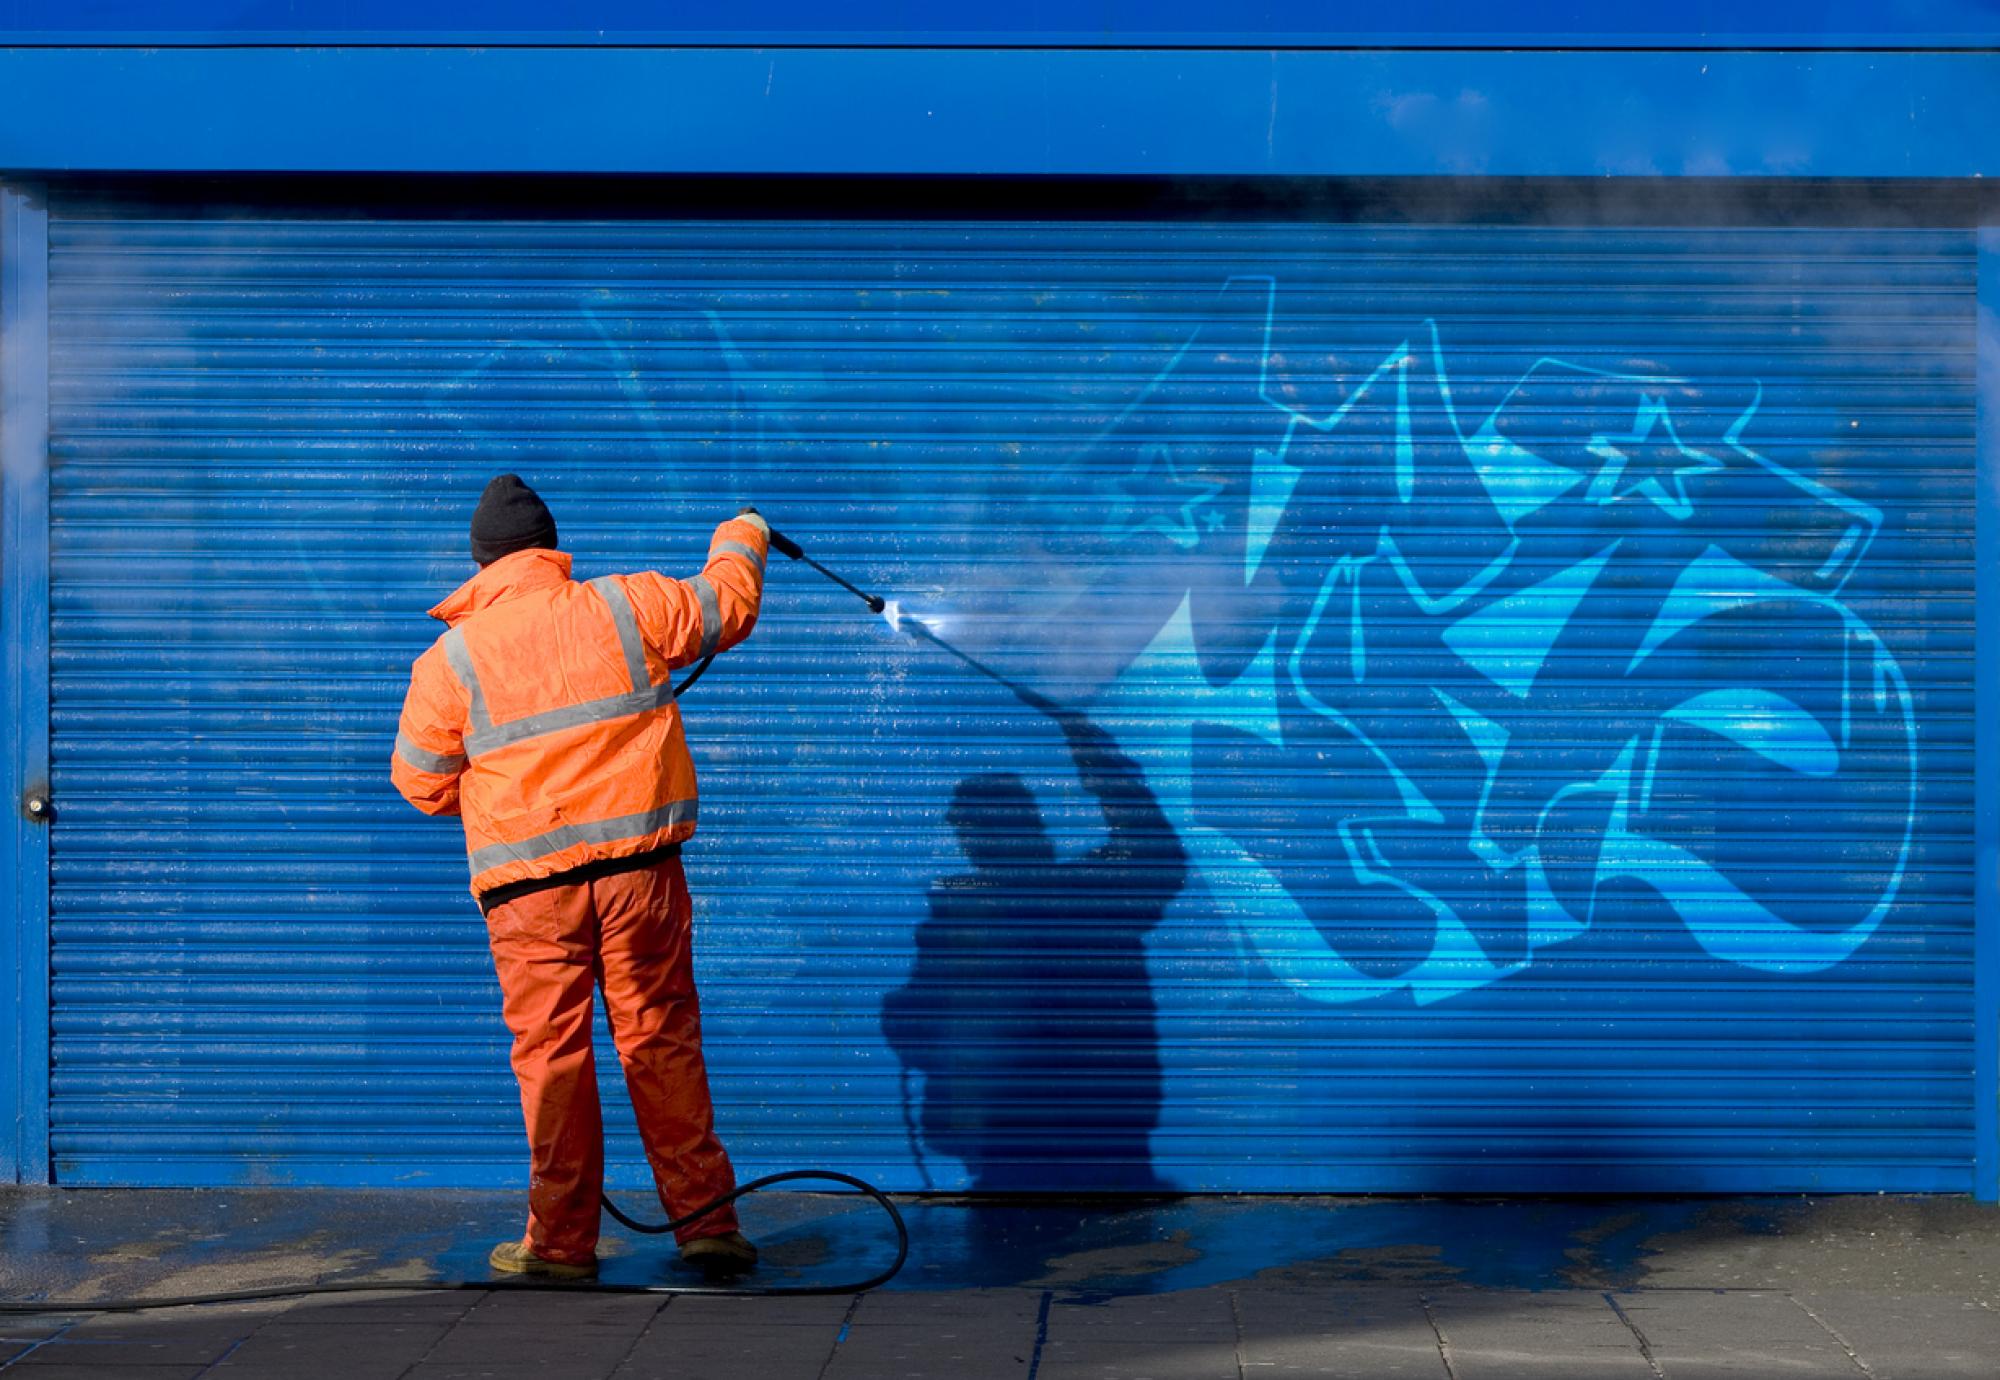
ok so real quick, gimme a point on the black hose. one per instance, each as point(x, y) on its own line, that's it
point(288, 1291)
point(786, 1176)
point(694, 675)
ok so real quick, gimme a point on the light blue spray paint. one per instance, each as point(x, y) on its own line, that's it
point(1507, 641)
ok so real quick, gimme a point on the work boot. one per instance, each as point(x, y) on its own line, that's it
point(514, 1258)
point(721, 1256)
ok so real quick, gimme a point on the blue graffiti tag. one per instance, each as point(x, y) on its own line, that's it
point(1630, 674)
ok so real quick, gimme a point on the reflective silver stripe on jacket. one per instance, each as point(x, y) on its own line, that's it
point(570, 835)
point(459, 659)
point(484, 740)
point(741, 549)
point(435, 762)
point(627, 623)
point(711, 615)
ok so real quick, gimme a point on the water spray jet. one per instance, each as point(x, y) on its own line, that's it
point(891, 611)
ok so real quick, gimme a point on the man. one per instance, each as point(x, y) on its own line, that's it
point(545, 718)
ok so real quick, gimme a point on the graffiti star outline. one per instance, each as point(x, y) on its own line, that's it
point(1652, 413)
point(1140, 491)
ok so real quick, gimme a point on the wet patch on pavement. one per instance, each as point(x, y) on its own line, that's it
point(92, 1245)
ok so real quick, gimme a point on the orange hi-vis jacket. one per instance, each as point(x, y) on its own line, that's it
point(545, 715)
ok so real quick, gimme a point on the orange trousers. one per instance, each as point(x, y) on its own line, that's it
point(631, 935)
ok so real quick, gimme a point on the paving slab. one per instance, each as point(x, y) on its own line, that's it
point(560, 1333)
point(1913, 1337)
point(130, 1342)
point(819, 1310)
point(1371, 1332)
point(541, 1349)
point(35, 1326)
point(890, 1352)
point(1508, 1334)
point(490, 1370)
point(1183, 1359)
point(670, 1351)
point(987, 1307)
point(1194, 1313)
point(1725, 1335)
point(259, 1363)
point(121, 1373)
point(577, 1311)
point(302, 1349)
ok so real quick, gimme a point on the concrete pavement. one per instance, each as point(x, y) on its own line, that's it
point(1329, 1333)
point(1173, 1290)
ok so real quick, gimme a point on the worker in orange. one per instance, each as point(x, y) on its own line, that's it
point(544, 717)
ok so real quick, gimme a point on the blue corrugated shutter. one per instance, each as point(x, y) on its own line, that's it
point(1527, 673)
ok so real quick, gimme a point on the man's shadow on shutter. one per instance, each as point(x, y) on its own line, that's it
point(1029, 1010)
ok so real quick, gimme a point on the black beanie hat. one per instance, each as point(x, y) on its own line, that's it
point(510, 517)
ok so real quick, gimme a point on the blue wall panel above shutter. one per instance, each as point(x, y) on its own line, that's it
point(1524, 679)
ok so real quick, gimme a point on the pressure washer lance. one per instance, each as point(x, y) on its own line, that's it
point(875, 602)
